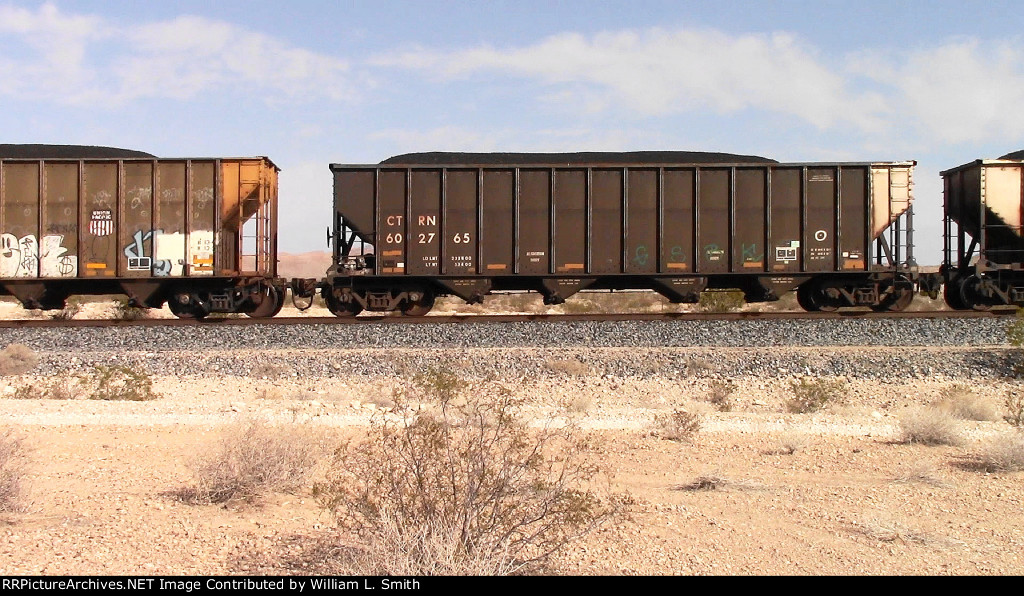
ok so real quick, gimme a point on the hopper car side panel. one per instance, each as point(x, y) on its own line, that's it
point(833, 229)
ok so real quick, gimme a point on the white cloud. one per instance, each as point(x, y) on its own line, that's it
point(456, 138)
point(87, 60)
point(57, 44)
point(960, 91)
point(660, 72)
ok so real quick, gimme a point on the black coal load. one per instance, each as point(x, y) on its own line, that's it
point(32, 151)
point(442, 158)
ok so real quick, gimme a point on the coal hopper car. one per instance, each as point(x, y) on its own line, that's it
point(983, 262)
point(423, 225)
point(199, 234)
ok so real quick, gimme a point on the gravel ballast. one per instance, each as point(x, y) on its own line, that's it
point(634, 334)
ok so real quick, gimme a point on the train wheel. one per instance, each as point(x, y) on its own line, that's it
point(898, 301)
point(193, 308)
point(825, 303)
point(814, 298)
point(972, 297)
point(804, 299)
point(420, 307)
point(340, 308)
point(951, 292)
point(271, 303)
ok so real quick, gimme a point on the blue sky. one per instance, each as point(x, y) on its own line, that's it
point(310, 83)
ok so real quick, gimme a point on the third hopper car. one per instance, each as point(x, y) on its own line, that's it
point(423, 225)
point(983, 264)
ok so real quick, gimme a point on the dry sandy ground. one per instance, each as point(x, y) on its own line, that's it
point(851, 499)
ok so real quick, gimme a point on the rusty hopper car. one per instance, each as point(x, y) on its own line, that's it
point(424, 225)
point(983, 263)
point(198, 234)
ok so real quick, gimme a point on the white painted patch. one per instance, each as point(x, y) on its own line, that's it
point(19, 257)
point(54, 260)
point(169, 252)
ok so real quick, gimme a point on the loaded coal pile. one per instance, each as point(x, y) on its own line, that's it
point(442, 158)
point(10, 151)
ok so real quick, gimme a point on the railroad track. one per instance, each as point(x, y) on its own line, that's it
point(392, 319)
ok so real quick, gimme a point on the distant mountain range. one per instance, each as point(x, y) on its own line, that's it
point(307, 264)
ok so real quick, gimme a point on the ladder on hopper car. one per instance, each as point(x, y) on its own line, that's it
point(256, 250)
point(895, 248)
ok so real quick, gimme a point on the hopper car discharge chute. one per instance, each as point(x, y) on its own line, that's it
point(422, 225)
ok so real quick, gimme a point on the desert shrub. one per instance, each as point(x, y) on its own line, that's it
point(714, 482)
point(12, 471)
point(579, 306)
point(381, 401)
point(111, 383)
point(67, 313)
point(570, 367)
point(1014, 409)
point(124, 310)
point(60, 387)
point(960, 401)
point(119, 383)
point(920, 473)
point(791, 441)
point(930, 426)
point(526, 302)
point(580, 404)
point(1015, 335)
point(696, 366)
point(887, 530)
point(1004, 453)
point(720, 394)
point(813, 394)
point(252, 460)
point(464, 488)
point(16, 359)
point(680, 425)
point(440, 385)
point(269, 370)
point(721, 301)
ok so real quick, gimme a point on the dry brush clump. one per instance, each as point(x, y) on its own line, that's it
point(17, 359)
point(930, 426)
point(920, 473)
point(1003, 453)
point(68, 312)
point(962, 402)
point(716, 482)
point(12, 471)
point(120, 383)
point(254, 459)
point(570, 367)
point(126, 310)
point(680, 425)
point(718, 301)
point(1014, 408)
point(462, 488)
point(791, 441)
point(720, 394)
point(107, 383)
point(813, 394)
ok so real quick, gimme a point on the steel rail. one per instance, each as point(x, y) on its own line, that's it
point(396, 319)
